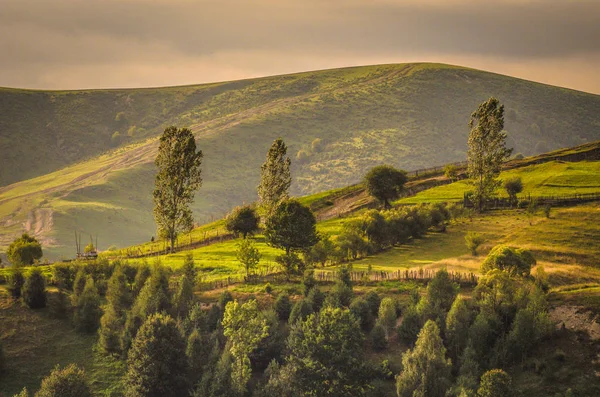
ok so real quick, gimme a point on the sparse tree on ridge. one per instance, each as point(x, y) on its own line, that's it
point(176, 182)
point(385, 183)
point(275, 178)
point(487, 149)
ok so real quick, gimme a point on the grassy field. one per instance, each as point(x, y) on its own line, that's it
point(35, 341)
point(364, 116)
point(548, 179)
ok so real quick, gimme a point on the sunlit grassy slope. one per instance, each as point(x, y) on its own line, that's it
point(554, 178)
point(411, 116)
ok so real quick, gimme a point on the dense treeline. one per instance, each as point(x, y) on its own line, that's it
point(315, 344)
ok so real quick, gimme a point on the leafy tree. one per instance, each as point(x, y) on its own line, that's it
point(34, 290)
point(16, 280)
point(275, 178)
point(183, 298)
point(385, 183)
point(441, 292)
point(376, 229)
point(224, 299)
point(361, 310)
point(457, 327)
point(468, 374)
point(242, 220)
point(67, 382)
point(451, 172)
point(495, 383)
point(292, 226)
point(248, 255)
point(387, 315)
point(308, 281)
point(176, 182)
point(111, 329)
point(316, 299)
point(473, 240)
point(244, 327)
point(426, 371)
point(271, 347)
point(24, 251)
point(374, 301)
point(78, 284)
point(300, 311)
point(410, 326)
point(487, 149)
point(198, 353)
point(118, 293)
point(513, 186)
point(326, 355)
point(378, 338)
point(514, 261)
point(290, 264)
point(156, 363)
point(483, 335)
point(142, 274)
point(283, 307)
point(321, 252)
point(87, 310)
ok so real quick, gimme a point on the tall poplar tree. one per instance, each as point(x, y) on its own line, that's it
point(275, 178)
point(487, 149)
point(176, 182)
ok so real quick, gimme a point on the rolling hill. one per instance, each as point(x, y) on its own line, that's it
point(65, 167)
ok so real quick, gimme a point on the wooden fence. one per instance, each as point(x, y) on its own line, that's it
point(398, 275)
point(553, 201)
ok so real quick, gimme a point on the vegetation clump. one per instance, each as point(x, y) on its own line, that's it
point(34, 290)
point(385, 183)
point(24, 251)
point(242, 221)
point(515, 261)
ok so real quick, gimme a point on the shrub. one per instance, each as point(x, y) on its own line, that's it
point(301, 310)
point(157, 364)
point(514, 261)
point(225, 298)
point(378, 339)
point(283, 307)
point(316, 299)
point(373, 300)
point(495, 383)
point(63, 275)
point(87, 311)
point(59, 307)
point(15, 283)
point(308, 281)
point(473, 241)
point(387, 315)
point(513, 187)
point(451, 172)
point(67, 382)
point(34, 290)
point(410, 326)
point(361, 310)
point(111, 328)
point(290, 263)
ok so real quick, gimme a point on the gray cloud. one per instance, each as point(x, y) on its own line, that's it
point(38, 39)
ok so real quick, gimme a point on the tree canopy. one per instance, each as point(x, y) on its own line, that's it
point(291, 227)
point(242, 220)
point(487, 149)
point(275, 178)
point(515, 261)
point(176, 182)
point(24, 251)
point(385, 183)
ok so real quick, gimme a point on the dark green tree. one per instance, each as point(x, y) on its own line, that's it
point(283, 307)
point(24, 251)
point(87, 308)
point(487, 149)
point(457, 328)
point(292, 226)
point(67, 382)
point(300, 311)
point(275, 178)
point(514, 261)
point(176, 182)
point(495, 383)
point(426, 371)
point(361, 310)
point(157, 363)
point(378, 338)
point(34, 290)
point(326, 355)
point(385, 183)
point(183, 299)
point(242, 221)
point(513, 186)
point(16, 280)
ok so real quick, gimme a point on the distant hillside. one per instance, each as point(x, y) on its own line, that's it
point(411, 116)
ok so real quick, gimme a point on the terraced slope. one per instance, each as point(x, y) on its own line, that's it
point(411, 116)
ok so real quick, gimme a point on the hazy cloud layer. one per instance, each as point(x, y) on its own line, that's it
point(109, 43)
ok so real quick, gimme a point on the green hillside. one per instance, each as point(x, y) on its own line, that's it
point(410, 116)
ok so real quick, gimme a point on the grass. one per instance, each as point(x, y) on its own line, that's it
point(554, 178)
point(364, 116)
point(35, 343)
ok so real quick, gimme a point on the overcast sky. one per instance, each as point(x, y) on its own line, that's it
point(69, 44)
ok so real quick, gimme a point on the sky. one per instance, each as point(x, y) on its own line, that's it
point(77, 44)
